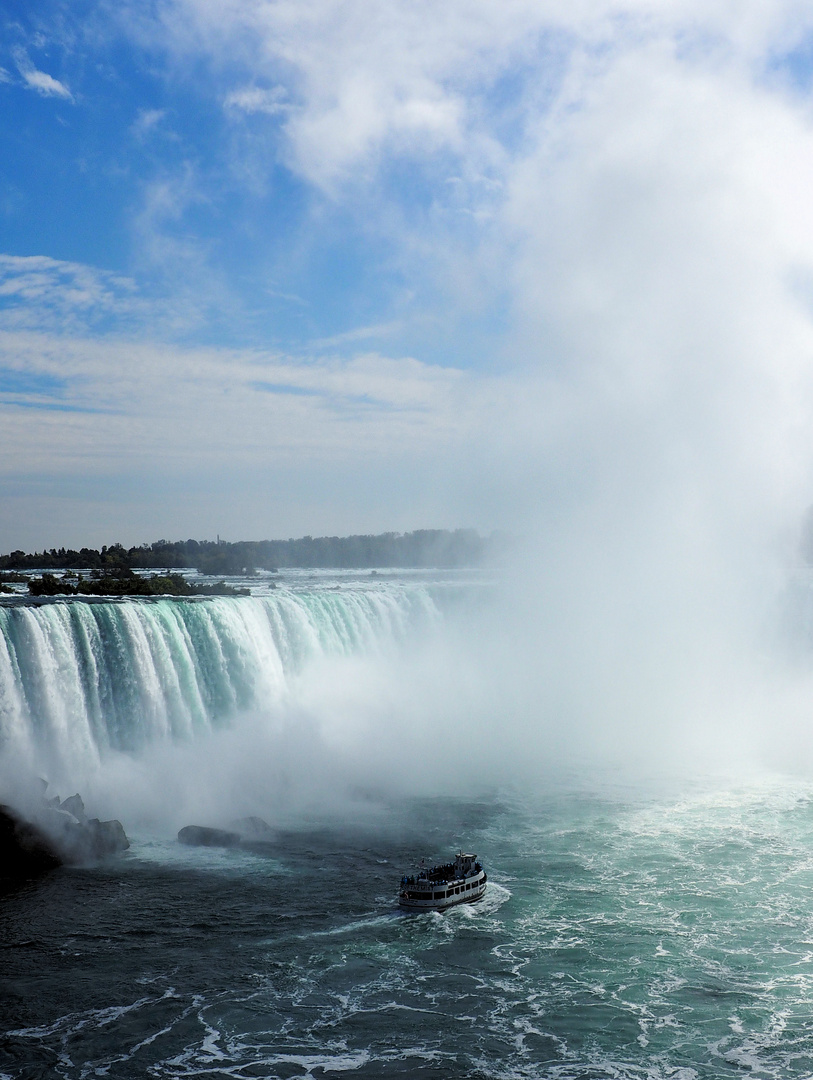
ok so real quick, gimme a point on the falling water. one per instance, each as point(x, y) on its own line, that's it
point(83, 677)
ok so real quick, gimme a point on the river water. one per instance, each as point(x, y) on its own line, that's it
point(618, 937)
point(661, 928)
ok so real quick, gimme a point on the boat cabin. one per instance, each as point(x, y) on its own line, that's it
point(438, 887)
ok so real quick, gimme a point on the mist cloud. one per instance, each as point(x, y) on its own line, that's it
point(616, 197)
point(614, 194)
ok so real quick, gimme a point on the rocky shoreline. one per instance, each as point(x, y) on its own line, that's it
point(54, 833)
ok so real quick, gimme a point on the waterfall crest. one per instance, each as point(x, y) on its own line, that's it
point(82, 677)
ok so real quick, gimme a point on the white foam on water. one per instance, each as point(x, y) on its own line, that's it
point(74, 1022)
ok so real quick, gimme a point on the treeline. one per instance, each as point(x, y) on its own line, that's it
point(127, 584)
point(423, 548)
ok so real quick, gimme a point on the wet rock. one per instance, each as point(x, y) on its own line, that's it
point(254, 829)
point(201, 836)
point(68, 836)
point(81, 842)
point(256, 835)
point(75, 806)
point(25, 851)
point(107, 837)
point(87, 843)
point(56, 833)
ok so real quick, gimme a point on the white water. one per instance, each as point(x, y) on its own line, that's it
point(79, 679)
point(337, 690)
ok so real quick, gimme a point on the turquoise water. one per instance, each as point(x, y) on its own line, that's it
point(620, 936)
point(81, 677)
point(632, 928)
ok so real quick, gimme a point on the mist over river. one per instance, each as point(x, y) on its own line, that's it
point(652, 922)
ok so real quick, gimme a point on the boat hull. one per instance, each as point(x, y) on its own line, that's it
point(441, 897)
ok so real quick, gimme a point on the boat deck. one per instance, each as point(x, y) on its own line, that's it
point(441, 887)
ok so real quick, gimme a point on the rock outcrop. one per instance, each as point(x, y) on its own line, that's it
point(79, 838)
point(75, 806)
point(25, 850)
point(253, 829)
point(52, 834)
point(251, 833)
point(94, 837)
point(108, 837)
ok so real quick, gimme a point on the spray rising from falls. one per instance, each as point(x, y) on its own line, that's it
point(216, 708)
point(78, 679)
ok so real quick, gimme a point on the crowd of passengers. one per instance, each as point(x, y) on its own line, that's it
point(438, 874)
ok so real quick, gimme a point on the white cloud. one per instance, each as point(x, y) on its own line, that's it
point(359, 333)
point(40, 81)
point(37, 292)
point(634, 189)
point(200, 430)
point(644, 212)
point(126, 416)
point(417, 77)
point(254, 99)
point(146, 122)
point(46, 84)
point(46, 282)
point(631, 182)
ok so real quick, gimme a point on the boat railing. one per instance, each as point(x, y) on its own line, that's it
point(426, 878)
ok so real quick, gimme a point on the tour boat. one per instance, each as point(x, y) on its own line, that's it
point(439, 887)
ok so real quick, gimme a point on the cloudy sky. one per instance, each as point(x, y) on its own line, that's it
point(275, 267)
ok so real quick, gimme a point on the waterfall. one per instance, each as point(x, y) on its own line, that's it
point(79, 677)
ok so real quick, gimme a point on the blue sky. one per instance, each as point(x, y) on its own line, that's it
point(270, 268)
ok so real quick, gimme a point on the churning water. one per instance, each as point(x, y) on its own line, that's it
point(623, 934)
point(82, 677)
point(617, 939)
